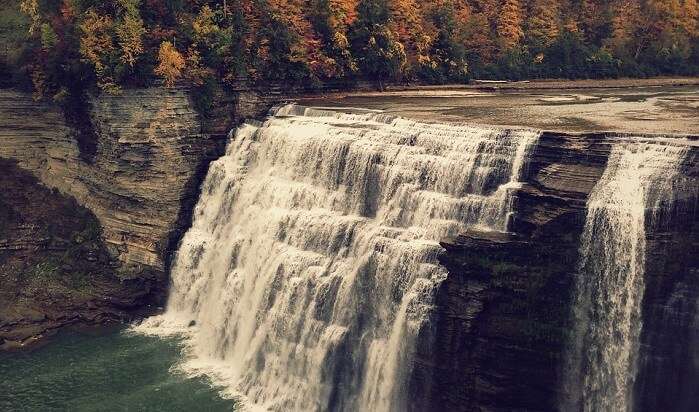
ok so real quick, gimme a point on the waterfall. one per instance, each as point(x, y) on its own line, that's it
point(311, 264)
point(636, 186)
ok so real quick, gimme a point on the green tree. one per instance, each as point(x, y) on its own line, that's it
point(130, 31)
point(381, 57)
point(446, 61)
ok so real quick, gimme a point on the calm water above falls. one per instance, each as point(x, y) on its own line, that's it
point(114, 371)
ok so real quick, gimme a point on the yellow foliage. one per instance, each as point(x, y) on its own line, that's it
point(544, 22)
point(344, 13)
point(130, 36)
point(690, 17)
point(204, 24)
point(97, 45)
point(195, 71)
point(627, 17)
point(31, 9)
point(170, 63)
point(408, 24)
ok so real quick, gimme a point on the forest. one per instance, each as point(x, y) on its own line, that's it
point(55, 47)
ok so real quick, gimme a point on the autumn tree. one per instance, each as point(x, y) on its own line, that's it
point(594, 21)
point(210, 36)
point(31, 9)
point(69, 46)
point(669, 44)
point(408, 26)
point(445, 60)
point(478, 39)
point(98, 48)
point(543, 24)
point(280, 53)
point(331, 20)
point(306, 55)
point(627, 18)
point(130, 31)
point(690, 17)
point(170, 63)
point(510, 30)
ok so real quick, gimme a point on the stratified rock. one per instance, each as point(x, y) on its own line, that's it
point(139, 177)
point(503, 317)
point(140, 183)
point(47, 281)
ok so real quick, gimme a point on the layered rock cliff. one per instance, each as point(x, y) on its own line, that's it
point(669, 355)
point(133, 164)
point(55, 268)
point(503, 316)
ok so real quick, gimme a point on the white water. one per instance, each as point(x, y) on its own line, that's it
point(636, 186)
point(311, 265)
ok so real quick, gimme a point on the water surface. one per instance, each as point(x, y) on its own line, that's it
point(112, 371)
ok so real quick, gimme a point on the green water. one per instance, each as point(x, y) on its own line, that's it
point(113, 371)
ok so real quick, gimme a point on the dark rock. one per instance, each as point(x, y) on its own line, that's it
point(503, 316)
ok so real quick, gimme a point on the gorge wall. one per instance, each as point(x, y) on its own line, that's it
point(136, 175)
point(504, 322)
point(351, 203)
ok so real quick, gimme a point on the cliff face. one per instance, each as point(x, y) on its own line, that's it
point(501, 320)
point(503, 316)
point(136, 175)
point(149, 149)
point(55, 268)
point(669, 358)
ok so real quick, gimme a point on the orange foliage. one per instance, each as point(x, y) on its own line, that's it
point(510, 23)
point(170, 63)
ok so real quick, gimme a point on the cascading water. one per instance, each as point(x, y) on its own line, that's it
point(636, 185)
point(311, 264)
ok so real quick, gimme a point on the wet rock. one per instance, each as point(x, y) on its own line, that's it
point(502, 318)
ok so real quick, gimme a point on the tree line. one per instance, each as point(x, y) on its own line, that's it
point(55, 46)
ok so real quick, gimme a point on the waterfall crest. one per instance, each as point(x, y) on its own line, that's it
point(636, 186)
point(311, 264)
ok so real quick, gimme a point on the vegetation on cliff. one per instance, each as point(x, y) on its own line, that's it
point(51, 46)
